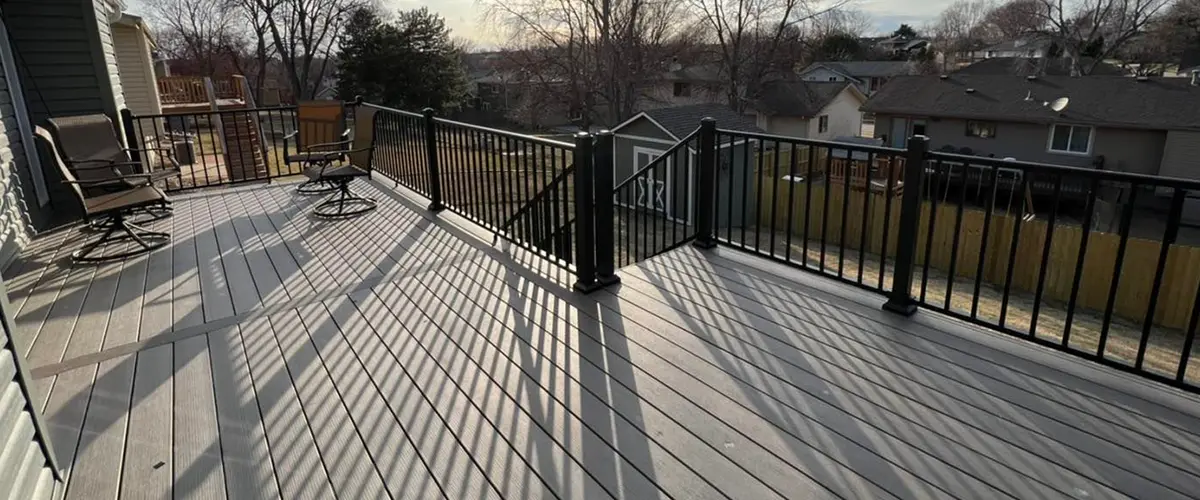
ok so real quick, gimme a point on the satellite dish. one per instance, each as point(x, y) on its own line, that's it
point(1060, 104)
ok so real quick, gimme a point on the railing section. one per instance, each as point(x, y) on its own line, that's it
point(818, 205)
point(655, 203)
point(216, 148)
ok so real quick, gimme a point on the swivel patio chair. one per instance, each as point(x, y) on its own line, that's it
point(320, 129)
point(339, 168)
point(114, 208)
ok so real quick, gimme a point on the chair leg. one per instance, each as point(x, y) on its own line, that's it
point(344, 203)
point(145, 239)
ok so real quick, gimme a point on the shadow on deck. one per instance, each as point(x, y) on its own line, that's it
point(269, 354)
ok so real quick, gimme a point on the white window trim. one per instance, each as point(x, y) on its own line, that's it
point(1050, 140)
point(821, 118)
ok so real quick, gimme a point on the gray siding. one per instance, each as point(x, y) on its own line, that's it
point(1125, 150)
point(25, 468)
point(16, 183)
point(1181, 155)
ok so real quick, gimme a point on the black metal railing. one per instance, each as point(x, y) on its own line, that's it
point(216, 147)
point(520, 187)
point(818, 205)
point(655, 203)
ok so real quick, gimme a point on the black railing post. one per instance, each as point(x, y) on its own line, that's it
point(604, 211)
point(900, 298)
point(706, 186)
point(435, 178)
point(131, 140)
point(585, 217)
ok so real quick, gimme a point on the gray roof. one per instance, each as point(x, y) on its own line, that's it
point(680, 121)
point(1190, 60)
point(796, 98)
point(1022, 66)
point(1114, 101)
point(1027, 43)
point(867, 69)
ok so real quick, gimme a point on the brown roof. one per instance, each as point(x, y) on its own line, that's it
point(1115, 101)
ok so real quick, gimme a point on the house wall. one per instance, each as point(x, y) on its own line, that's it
point(138, 84)
point(662, 94)
point(1138, 151)
point(790, 126)
point(845, 120)
point(1181, 155)
point(24, 457)
point(16, 182)
point(822, 75)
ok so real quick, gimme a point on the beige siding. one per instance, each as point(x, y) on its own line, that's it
point(845, 120)
point(1181, 155)
point(136, 70)
point(16, 184)
point(111, 73)
point(787, 125)
point(25, 470)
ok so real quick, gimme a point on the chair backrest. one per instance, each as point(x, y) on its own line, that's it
point(320, 122)
point(89, 137)
point(43, 137)
point(364, 137)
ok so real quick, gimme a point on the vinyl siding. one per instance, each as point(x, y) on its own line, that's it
point(16, 182)
point(844, 118)
point(136, 71)
point(1181, 155)
point(25, 469)
point(110, 74)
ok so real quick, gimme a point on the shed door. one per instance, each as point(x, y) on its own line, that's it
point(651, 190)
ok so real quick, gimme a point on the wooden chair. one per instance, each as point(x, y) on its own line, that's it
point(114, 208)
point(320, 129)
point(93, 152)
point(339, 168)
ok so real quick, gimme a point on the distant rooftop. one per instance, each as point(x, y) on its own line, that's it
point(680, 121)
point(866, 69)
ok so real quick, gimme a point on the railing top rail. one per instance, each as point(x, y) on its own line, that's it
point(393, 110)
point(812, 142)
point(683, 143)
point(506, 133)
point(1063, 170)
point(218, 112)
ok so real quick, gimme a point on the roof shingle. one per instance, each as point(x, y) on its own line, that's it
point(1115, 101)
point(682, 120)
point(797, 98)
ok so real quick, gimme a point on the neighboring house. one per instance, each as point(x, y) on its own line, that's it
point(699, 84)
point(134, 45)
point(898, 45)
point(1028, 47)
point(1120, 123)
point(647, 135)
point(814, 110)
point(58, 59)
point(868, 76)
point(1024, 66)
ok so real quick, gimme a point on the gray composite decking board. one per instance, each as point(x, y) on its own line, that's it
point(504, 467)
point(24, 275)
point(388, 247)
point(187, 300)
point(311, 266)
point(292, 215)
point(443, 452)
point(946, 439)
point(236, 271)
point(245, 454)
point(748, 451)
point(147, 471)
point(338, 249)
point(197, 464)
point(1030, 368)
point(50, 341)
point(268, 248)
point(397, 460)
point(930, 353)
point(997, 417)
point(299, 467)
point(537, 452)
point(215, 294)
point(582, 417)
point(350, 468)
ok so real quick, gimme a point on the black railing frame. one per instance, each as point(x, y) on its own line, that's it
point(706, 186)
point(900, 299)
point(435, 178)
point(585, 219)
point(604, 212)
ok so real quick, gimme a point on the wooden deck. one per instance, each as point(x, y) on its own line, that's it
point(400, 355)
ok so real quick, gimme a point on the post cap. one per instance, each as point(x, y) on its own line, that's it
point(708, 122)
point(427, 111)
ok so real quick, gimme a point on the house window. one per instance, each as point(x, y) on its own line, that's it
point(822, 124)
point(983, 130)
point(683, 89)
point(833, 79)
point(1072, 139)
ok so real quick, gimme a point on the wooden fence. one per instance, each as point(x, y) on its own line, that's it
point(1180, 278)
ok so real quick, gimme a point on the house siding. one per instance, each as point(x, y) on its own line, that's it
point(790, 126)
point(138, 84)
point(822, 75)
point(1181, 155)
point(16, 182)
point(844, 118)
point(1124, 150)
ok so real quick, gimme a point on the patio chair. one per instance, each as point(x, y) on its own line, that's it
point(320, 129)
point(114, 207)
point(339, 168)
point(93, 152)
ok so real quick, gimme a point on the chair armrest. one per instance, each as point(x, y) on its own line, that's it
point(310, 147)
point(291, 134)
point(333, 155)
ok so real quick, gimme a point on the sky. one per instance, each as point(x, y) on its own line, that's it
point(463, 16)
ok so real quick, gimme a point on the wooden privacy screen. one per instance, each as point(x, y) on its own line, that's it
point(320, 122)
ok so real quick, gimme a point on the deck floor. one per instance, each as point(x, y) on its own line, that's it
point(402, 355)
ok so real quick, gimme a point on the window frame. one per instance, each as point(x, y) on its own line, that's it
point(1091, 141)
point(681, 89)
point(968, 133)
point(822, 124)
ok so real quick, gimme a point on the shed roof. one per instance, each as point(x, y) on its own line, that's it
point(679, 121)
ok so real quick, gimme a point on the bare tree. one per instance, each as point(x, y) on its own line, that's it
point(304, 34)
point(1017, 18)
point(962, 27)
point(848, 21)
point(202, 33)
point(1090, 31)
point(756, 39)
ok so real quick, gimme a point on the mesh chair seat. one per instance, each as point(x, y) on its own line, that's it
point(123, 200)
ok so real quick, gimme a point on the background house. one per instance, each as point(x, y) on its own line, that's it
point(697, 84)
point(868, 76)
point(814, 110)
point(133, 45)
point(651, 133)
point(1126, 124)
point(1027, 47)
point(1025, 66)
